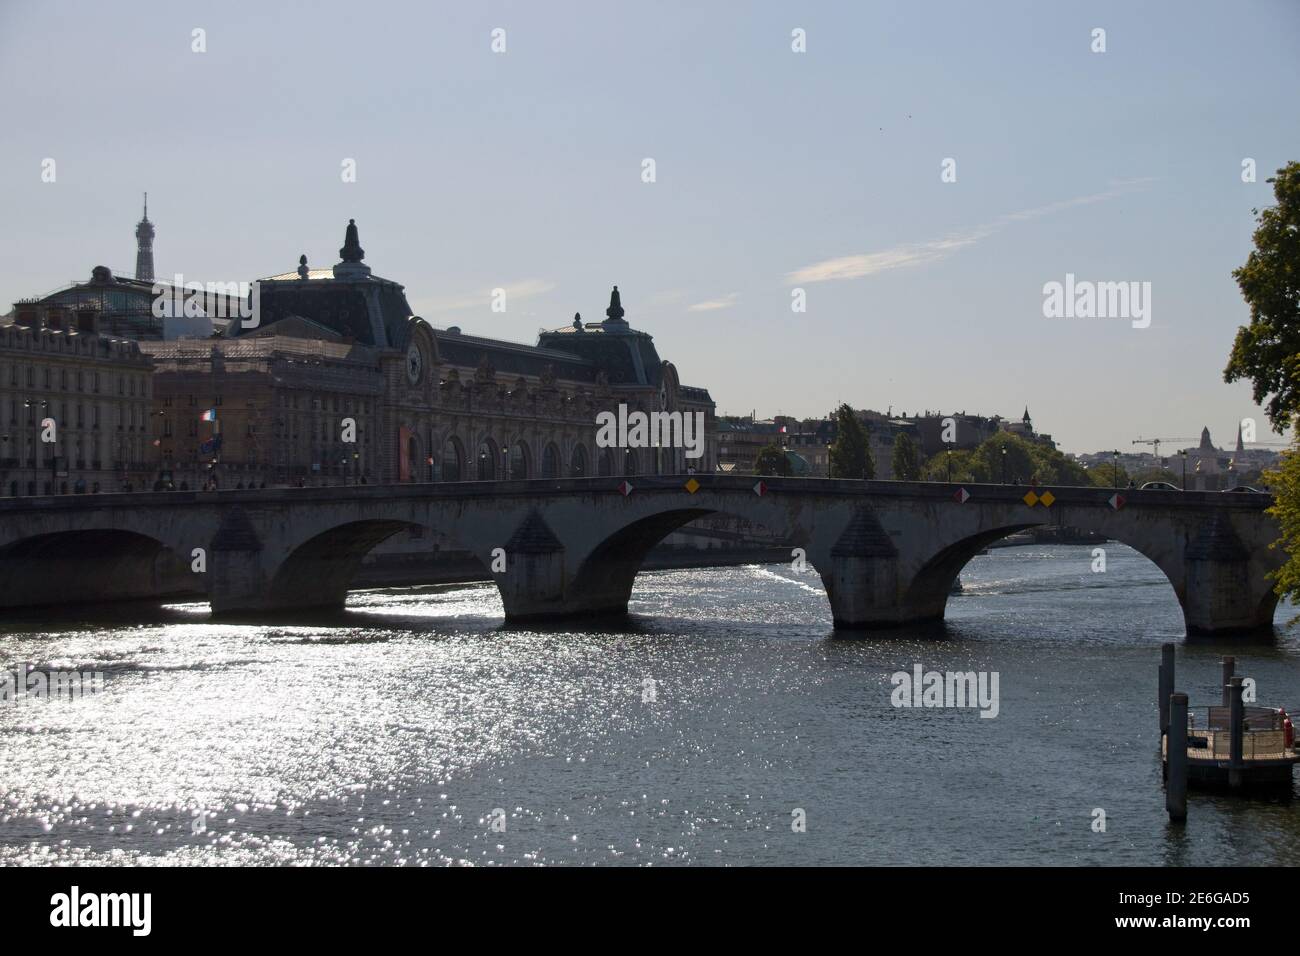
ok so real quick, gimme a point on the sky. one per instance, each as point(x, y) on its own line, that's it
point(774, 171)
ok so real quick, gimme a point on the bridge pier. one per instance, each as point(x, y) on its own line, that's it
point(862, 583)
point(236, 580)
point(532, 585)
point(1221, 595)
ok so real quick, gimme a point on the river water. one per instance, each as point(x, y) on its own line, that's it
point(415, 729)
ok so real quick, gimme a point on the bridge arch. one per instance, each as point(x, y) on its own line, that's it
point(319, 571)
point(928, 589)
point(94, 565)
point(605, 576)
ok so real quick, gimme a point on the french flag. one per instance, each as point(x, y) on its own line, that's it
point(209, 416)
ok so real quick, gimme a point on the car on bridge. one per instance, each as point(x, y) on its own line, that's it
point(1158, 486)
point(1244, 489)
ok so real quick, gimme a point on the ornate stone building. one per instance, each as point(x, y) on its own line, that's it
point(97, 391)
point(451, 406)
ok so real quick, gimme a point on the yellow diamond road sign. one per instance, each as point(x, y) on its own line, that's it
point(692, 486)
point(1047, 498)
point(1031, 499)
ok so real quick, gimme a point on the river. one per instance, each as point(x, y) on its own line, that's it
point(725, 724)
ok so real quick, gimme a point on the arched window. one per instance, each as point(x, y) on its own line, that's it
point(606, 463)
point(487, 460)
point(451, 459)
point(578, 463)
point(518, 461)
point(629, 461)
point(413, 457)
point(551, 461)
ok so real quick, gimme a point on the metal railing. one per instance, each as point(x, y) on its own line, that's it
point(1209, 734)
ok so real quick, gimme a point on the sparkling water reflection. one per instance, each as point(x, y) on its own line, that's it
point(391, 733)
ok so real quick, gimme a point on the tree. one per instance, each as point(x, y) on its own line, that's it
point(1268, 353)
point(850, 455)
point(1285, 482)
point(1019, 458)
point(1108, 475)
point(1025, 460)
point(1053, 468)
point(1268, 350)
point(906, 465)
point(960, 467)
point(771, 460)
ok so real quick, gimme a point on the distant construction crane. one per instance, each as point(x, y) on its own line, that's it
point(1155, 443)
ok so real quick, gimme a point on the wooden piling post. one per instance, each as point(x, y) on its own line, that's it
point(1229, 665)
point(1176, 759)
point(1236, 730)
point(1166, 685)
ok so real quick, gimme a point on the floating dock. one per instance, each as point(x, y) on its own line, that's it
point(1232, 745)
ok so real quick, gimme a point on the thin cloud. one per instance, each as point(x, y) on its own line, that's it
point(523, 289)
point(919, 253)
point(726, 302)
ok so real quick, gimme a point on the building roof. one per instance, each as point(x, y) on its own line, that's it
point(693, 393)
point(346, 299)
point(511, 358)
point(627, 356)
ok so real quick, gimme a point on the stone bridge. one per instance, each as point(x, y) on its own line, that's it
point(887, 552)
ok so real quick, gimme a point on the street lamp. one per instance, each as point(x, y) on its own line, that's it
point(949, 457)
point(1004, 464)
point(1183, 455)
point(1114, 468)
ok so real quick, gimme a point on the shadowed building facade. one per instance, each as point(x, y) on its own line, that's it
point(96, 390)
point(449, 406)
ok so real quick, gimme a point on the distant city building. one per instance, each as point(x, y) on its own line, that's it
point(741, 438)
point(1207, 467)
point(1025, 429)
point(968, 431)
point(807, 442)
point(97, 392)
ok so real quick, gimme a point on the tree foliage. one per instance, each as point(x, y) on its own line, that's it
point(1108, 475)
point(905, 461)
point(1267, 351)
point(1285, 482)
point(850, 455)
point(1026, 461)
point(771, 461)
point(937, 468)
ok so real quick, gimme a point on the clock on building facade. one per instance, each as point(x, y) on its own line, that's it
point(414, 363)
